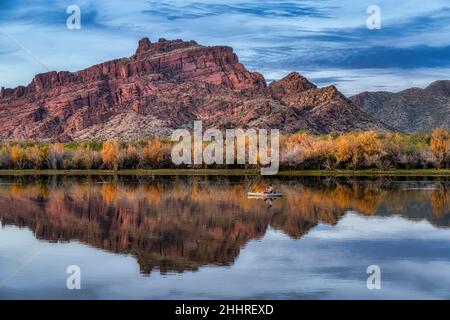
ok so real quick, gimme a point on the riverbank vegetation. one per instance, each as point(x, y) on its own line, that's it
point(302, 151)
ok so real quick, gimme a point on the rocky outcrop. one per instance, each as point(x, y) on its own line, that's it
point(411, 110)
point(320, 110)
point(167, 85)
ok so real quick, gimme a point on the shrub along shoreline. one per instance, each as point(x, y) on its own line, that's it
point(367, 150)
point(372, 173)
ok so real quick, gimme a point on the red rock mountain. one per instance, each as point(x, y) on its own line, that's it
point(167, 85)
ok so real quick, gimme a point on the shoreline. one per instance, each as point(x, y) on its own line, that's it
point(230, 172)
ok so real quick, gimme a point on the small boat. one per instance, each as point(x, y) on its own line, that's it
point(264, 195)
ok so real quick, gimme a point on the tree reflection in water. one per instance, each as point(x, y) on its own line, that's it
point(176, 224)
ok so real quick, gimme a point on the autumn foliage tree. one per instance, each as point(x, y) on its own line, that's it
point(18, 156)
point(345, 148)
point(305, 151)
point(38, 156)
point(300, 151)
point(362, 149)
point(110, 154)
point(440, 145)
point(154, 154)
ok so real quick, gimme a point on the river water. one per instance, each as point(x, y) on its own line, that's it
point(201, 237)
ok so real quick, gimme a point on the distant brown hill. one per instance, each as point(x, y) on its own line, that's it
point(411, 110)
point(167, 85)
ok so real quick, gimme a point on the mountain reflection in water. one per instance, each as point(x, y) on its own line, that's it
point(177, 224)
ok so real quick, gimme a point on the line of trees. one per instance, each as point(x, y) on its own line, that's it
point(302, 151)
point(367, 150)
point(111, 155)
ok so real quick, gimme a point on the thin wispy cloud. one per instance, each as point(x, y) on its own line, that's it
point(278, 9)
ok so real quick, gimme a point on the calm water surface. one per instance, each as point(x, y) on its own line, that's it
point(202, 238)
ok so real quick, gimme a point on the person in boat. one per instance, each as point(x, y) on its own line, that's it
point(269, 189)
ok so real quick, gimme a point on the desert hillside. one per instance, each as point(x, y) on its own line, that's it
point(411, 110)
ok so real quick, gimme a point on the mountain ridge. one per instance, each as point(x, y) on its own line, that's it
point(411, 110)
point(166, 85)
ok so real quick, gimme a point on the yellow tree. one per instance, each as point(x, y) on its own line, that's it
point(345, 148)
point(38, 156)
point(154, 153)
point(369, 147)
point(18, 156)
point(110, 154)
point(440, 144)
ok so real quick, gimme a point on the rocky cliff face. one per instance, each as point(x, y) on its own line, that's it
point(411, 110)
point(167, 85)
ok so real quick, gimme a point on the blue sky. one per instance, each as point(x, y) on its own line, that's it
point(325, 40)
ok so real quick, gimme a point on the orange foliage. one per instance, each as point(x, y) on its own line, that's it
point(110, 154)
point(154, 153)
point(440, 144)
point(18, 156)
point(359, 149)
